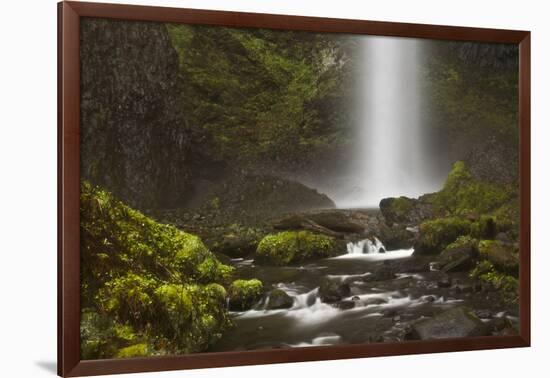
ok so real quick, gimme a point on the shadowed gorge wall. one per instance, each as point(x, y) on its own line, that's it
point(134, 136)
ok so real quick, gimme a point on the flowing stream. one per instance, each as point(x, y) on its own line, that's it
point(381, 308)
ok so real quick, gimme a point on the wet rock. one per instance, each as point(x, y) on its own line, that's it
point(415, 264)
point(484, 314)
point(331, 291)
point(444, 281)
point(344, 305)
point(383, 272)
point(406, 210)
point(462, 288)
point(456, 322)
point(508, 331)
point(240, 242)
point(395, 236)
point(375, 301)
point(498, 324)
point(429, 298)
point(278, 299)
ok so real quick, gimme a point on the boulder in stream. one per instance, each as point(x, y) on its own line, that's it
point(243, 294)
point(332, 291)
point(456, 322)
point(279, 299)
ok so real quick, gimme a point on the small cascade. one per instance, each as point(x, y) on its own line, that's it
point(366, 246)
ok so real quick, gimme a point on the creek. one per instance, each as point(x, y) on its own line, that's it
point(382, 307)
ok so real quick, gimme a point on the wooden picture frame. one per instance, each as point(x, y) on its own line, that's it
point(69, 15)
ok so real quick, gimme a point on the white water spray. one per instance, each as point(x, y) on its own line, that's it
point(365, 246)
point(392, 158)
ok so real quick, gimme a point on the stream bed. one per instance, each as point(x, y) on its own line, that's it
point(388, 292)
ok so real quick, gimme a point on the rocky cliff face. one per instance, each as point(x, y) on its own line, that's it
point(134, 138)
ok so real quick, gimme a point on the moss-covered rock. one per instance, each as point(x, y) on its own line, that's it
point(161, 282)
point(296, 246)
point(461, 255)
point(507, 284)
point(243, 294)
point(437, 234)
point(102, 336)
point(396, 236)
point(236, 240)
point(504, 256)
point(408, 211)
point(136, 350)
point(462, 194)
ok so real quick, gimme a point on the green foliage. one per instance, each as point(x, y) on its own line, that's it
point(264, 95)
point(508, 285)
point(463, 195)
point(437, 234)
point(128, 298)
point(461, 241)
point(295, 246)
point(102, 336)
point(145, 283)
point(243, 294)
point(137, 350)
point(505, 257)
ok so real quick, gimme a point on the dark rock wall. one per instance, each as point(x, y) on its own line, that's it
point(134, 138)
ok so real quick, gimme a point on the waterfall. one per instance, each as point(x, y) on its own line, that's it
point(366, 246)
point(392, 155)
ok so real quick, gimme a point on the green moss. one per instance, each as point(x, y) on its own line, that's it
point(175, 301)
point(294, 246)
point(396, 209)
point(128, 298)
point(505, 257)
point(152, 283)
point(462, 241)
point(437, 234)
point(508, 285)
point(137, 350)
point(463, 195)
point(243, 294)
point(102, 336)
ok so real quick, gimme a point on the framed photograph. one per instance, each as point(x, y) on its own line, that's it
point(239, 188)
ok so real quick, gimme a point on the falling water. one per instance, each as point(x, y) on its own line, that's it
point(392, 157)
